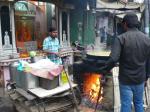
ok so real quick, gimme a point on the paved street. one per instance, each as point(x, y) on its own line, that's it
point(83, 109)
point(148, 109)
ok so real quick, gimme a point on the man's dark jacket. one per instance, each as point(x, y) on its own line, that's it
point(132, 50)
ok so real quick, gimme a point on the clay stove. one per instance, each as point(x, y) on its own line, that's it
point(99, 91)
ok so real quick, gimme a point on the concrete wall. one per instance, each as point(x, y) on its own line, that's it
point(87, 18)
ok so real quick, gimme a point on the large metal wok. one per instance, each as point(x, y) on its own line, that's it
point(93, 61)
point(99, 55)
point(96, 58)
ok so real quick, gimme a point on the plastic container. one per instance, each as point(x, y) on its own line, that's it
point(49, 84)
point(14, 77)
point(27, 80)
point(23, 80)
point(64, 79)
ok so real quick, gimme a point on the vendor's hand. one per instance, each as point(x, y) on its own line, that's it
point(55, 53)
point(58, 54)
point(102, 70)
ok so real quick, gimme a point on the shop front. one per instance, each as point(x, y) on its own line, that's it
point(23, 27)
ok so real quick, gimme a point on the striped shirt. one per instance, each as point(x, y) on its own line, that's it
point(52, 45)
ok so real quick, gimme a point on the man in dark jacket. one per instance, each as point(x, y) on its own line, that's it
point(131, 49)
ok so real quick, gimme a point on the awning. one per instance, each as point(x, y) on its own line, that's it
point(120, 6)
point(48, 1)
point(122, 15)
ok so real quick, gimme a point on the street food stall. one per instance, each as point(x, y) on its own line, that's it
point(22, 30)
point(26, 88)
point(41, 86)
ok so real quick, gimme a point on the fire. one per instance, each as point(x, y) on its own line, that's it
point(91, 87)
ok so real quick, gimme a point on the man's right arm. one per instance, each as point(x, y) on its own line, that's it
point(115, 52)
point(114, 56)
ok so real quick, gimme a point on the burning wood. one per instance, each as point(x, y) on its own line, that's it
point(91, 86)
point(97, 92)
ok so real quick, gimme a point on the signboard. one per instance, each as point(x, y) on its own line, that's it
point(30, 45)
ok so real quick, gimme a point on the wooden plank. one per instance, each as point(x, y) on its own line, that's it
point(25, 94)
point(147, 95)
point(43, 93)
point(14, 96)
point(115, 72)
point(57, 107)
point(148, 90)
point(144, 100)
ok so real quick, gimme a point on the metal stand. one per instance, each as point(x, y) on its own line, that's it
point(2, 80)
point(73, 93)
point(99, 93)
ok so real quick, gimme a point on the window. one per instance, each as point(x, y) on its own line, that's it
point(21, 6)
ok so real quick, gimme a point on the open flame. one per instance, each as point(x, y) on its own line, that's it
point(92, 86)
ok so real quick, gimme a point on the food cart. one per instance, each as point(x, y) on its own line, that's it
point(42, 95)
